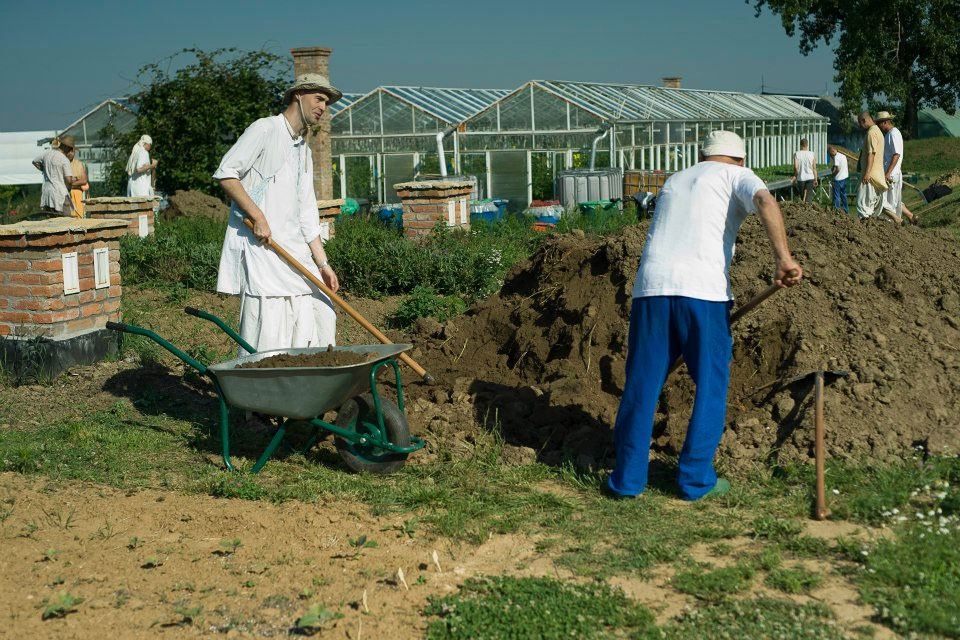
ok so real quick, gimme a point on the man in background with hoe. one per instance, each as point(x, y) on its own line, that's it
point(268, 174)
point(681, 307)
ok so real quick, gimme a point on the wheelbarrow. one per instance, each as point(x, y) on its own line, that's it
point(370, 432)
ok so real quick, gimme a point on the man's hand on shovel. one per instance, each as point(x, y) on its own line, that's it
point(789, 273)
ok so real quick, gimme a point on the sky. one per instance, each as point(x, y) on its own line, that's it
point(59, 59)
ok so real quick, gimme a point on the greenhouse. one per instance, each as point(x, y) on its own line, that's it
point(516, 141)
point(95, 139)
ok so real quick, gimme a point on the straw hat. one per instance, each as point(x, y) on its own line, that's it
point(724, 143)
point(67, 142)
point(883, 115)
point(313, 82)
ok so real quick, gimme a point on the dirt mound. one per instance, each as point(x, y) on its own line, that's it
point(544, 359)
point(328, 358)
point(195, 204)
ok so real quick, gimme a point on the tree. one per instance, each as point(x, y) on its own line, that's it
point(197, 112)
point(893, 52)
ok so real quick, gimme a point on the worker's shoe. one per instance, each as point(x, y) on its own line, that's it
point(722, 488)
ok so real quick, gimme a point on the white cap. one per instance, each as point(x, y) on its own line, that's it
point(723, 143)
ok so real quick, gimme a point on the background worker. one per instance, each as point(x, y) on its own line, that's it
point(58, 177)
point(872, 180)
point(140, 169)
point(838, 167)
point(681, 306)
point(268, 175)
point(892, 163)
point(78, 191)
point(805, 171)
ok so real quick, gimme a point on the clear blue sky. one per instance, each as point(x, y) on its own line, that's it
point(59, 58)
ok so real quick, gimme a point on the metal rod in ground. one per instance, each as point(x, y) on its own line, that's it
point(353, 313)
point(821, 512)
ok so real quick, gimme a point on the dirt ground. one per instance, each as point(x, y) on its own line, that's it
point(545, 357)
point(162, 564)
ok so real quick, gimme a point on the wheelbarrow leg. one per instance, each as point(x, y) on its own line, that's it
point(225, 432)
point(274, 443)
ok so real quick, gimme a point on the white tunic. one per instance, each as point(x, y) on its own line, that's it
point(138, 185)
point(276, 171)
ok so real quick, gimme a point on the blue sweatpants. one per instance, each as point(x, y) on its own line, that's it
point(661, 329)
point(840, 195)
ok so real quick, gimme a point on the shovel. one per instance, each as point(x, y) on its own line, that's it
point(353, 313)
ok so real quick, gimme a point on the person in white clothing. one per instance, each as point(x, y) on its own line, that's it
point(892, 162)
point(841, 173)
point(268, 175)
point(58, 177)
point(140, 168)
point(805, 171)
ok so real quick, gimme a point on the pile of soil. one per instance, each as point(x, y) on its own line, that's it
point(328, 358)
point(544, 359)
point(195, 204)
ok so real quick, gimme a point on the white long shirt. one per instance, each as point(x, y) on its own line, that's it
point(56, 169)
point(138, 185)
point(804, 161)
point(275, 168)
point(691, 241)
point(840, 162)
point(893, 144)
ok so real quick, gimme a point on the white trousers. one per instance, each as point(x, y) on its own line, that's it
point(287, 322)
point(893, 196)
point(869, 200)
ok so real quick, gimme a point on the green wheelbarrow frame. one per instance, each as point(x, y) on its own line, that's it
point(373, 436)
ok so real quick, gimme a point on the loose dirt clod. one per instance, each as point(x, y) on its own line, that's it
point(195, 204)
point(328, 358)
point(545, 361)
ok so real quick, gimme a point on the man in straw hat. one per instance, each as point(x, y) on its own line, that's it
point(892, 161)
point(268, 174)
point(681, 305)
point(873, 182)
point(58, 177)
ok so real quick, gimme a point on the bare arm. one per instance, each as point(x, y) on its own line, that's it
point(789, 272)
point(796, 169)
point(326, 271)
point(238, 194)
point(816, 173)
point(147, 167)
point(81, 180)
point(891, 165)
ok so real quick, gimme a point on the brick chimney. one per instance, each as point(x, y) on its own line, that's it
point(671, 82)
point(317, 60)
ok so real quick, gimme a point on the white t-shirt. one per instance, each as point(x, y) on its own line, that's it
point(892, 143)
point(138, 185)
point(691, 240)
point(805, 160)
point(840, 162)
point(56, 169)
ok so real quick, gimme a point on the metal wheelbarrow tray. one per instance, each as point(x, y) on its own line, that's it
point(371, 432)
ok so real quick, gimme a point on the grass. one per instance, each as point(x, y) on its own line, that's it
point(536, 609)
point(795, 580)
point(932, 156)
point(715, 584)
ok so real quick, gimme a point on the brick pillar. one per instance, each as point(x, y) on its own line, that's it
point(136, 211)
point(59, 277)
point(427, 202)
point(317, 60)
point(328, 210)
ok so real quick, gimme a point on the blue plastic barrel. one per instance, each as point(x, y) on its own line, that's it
point(391, 214)
point(485, 210)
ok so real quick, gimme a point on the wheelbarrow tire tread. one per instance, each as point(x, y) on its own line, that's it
point(398, 432)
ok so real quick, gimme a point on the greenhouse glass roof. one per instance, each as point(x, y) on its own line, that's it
point(640, 103)
point(451, 106)
point(344, 102)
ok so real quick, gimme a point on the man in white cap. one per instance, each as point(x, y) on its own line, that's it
point(681, 305)
point(268, 174)
point(892, 161)
point(872, 180)
point(140, 168)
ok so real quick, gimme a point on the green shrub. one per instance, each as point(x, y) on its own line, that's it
point(184, 250)
point(423, 302)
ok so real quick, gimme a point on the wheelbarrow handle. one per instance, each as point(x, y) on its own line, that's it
point(227, 329)
point(140, 331)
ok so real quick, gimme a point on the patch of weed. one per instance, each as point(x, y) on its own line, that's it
point(317, 618)
point(795, 580)
point(63, 604)
point(715, 584)
point(535, 609)
point(755, 618)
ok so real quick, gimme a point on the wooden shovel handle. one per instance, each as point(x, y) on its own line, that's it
point(819, 450)
point(343, 304)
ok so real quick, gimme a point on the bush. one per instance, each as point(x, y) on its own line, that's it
point(423, 302)
point(184, 251)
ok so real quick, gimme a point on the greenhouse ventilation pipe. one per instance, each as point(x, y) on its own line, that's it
point(603, 131)
point(443, 159)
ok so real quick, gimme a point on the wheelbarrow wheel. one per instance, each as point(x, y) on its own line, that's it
point(359, 414)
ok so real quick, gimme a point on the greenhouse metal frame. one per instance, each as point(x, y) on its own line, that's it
point(518, 140)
